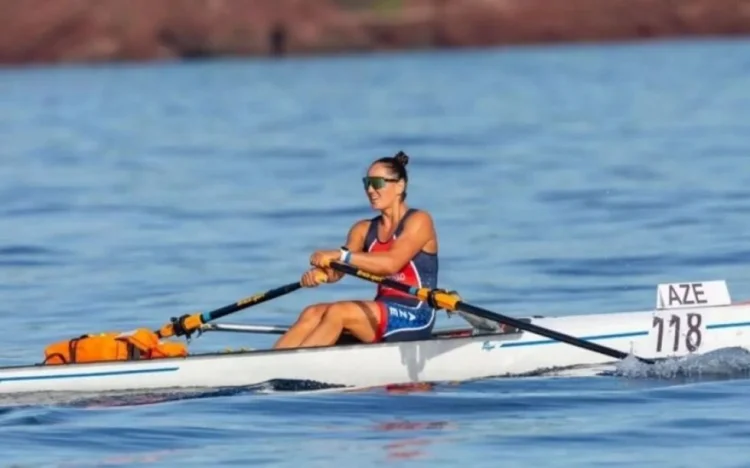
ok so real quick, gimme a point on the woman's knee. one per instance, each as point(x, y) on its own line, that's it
point(352, 312)
point(338, 308)
point(314, 313)
point(333, 315)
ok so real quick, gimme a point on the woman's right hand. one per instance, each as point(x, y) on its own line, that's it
point(313, 277)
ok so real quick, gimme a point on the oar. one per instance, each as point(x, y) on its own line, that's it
point(242, 328)
point(187, 324)
point(452, 302)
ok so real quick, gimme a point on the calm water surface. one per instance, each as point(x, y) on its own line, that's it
point(562, 180)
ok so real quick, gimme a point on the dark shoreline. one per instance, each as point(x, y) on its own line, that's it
point(92, 31)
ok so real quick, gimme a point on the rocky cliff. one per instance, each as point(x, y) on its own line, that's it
point(101, 30)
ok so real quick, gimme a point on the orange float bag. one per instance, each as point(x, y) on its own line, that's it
point(140, 344)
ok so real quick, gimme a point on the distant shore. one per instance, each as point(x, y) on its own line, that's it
point(57, 31)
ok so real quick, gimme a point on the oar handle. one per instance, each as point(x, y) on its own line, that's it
point(189, 323)
point(442, 299)
point(451, 301)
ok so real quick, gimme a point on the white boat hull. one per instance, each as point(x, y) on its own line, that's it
point(437, 360)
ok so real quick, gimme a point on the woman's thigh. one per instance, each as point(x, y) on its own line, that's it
point(363, 319)
point(404, 323)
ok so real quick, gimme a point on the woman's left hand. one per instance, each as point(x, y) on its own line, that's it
point(323, 258)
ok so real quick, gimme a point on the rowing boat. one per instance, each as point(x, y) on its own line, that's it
point(689, 318)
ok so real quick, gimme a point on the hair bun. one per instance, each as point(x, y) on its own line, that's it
point(402, 158)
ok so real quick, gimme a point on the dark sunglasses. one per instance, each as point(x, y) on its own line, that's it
point(376, 182)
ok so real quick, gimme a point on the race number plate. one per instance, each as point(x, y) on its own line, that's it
point(676, 332)
point(692, 294)
point(678, 325)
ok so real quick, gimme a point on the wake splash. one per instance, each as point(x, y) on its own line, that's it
point(725, 363)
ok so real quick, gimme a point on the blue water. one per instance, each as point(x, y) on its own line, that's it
point(562, 180)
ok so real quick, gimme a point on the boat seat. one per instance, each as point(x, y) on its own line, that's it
point(347, 339)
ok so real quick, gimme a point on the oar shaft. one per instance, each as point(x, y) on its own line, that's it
point(453, 302)
point(195, 321)
point(546, 332)
point(249, 301)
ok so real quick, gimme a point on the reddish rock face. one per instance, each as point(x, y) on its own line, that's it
point(100, 30)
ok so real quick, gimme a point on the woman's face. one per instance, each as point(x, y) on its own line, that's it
point(382, 186)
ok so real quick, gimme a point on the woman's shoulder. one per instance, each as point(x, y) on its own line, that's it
point(419, 215)
point(361, 226)
point(419, 219)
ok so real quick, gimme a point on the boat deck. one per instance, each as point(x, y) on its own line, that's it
point(346, 340)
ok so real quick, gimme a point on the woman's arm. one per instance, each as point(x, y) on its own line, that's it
point(355, 241)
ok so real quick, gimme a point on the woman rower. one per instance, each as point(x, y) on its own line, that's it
point(408, 252)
